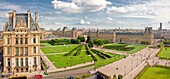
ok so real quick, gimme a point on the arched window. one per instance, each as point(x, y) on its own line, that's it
point(8, 61)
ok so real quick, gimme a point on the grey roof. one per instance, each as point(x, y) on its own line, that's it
point(129, 33)
point(24, 17)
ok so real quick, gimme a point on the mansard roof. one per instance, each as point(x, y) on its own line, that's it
point(24, 17)
point(129, 33)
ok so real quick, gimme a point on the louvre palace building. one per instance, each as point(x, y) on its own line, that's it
point(21, 43)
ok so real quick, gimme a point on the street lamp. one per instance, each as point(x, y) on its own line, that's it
point(137, 62)
point(0, 66)
point(125, 70)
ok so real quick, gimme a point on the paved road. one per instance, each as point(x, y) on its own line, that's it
point(48, 62)
point(74, 72)
point(128, 64)
point(164, 62)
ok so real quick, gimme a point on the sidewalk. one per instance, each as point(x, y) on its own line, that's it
point(72, 67)
point(111, 51)
point(48, 62)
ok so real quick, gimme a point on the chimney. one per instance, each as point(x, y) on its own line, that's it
point(36, 17)
point(29, 18)
point(10, 14)
point(14, 18)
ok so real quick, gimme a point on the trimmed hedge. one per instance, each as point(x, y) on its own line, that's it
point(90, 53)
point(69, 53)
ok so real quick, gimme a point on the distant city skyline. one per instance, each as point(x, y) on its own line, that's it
point(102, 14)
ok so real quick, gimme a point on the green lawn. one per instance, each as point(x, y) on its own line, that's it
point(58, 48)
point(61, 61)
point(136, 47)
point(165, 53)
point(156, 73)
point(46, 44)
point(114, 58)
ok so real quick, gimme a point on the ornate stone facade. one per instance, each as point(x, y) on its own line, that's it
point(138, 36)
point(21, 43)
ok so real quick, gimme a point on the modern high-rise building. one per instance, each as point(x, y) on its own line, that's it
point(21, 43)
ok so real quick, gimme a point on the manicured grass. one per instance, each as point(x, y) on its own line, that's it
point(78, 56)
point(130, 48)
point(61, 61)
point(46, 44)
point(156, 73)
point(58, 48)
point(137, 48)
point(165, 53)
point(114, 58)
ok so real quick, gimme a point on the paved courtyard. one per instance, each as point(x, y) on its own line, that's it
point(128, 64)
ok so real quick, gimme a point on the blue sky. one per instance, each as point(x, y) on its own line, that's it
point(104, 14)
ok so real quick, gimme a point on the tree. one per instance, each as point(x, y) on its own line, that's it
point(90, 42)
point(120, 76)
point(52, 42)
point(114, 76)
point(98, 42)
point(88, 39)
point(75, 41)
point(82, 39)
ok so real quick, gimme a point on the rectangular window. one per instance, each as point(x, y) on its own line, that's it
point(21, 51)
point(17, 63)
point(26, 40)
point(26, 61)
point(21, 42)
point(34, 40)
point(17, 52)
point(8, 50)
point(8, 40)
point(26, 51)
point(16, 40)
point(34, 49)
point(21, 61)
point(35, 61)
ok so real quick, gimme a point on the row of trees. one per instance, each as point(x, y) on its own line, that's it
point(78, 40)
point(145, 42)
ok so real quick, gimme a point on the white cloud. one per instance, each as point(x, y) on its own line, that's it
point(77, 6)
point(155, 9)
point(109, 18)
point(83, 22)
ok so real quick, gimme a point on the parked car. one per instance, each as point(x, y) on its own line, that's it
point(38, 76)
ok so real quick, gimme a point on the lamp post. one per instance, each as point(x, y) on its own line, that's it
point(137, 62)
point(125, 70)
point(0, 67)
